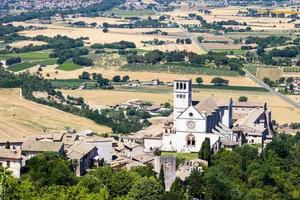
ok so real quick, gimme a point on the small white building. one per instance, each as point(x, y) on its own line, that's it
point(12, 160)
point(133, 149)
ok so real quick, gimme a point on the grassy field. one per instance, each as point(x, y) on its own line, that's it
point(186, 156)
point(179, 68)
point(27, 56)
point(68, 66)
point(252, 69)
point(26, 65)
point(72, 83)
point(228, 87)
point(19, 117)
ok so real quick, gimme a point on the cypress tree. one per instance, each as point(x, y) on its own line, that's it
point(205, 152)
point(161, 176)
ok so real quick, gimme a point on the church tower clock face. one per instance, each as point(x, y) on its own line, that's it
point(190, 124)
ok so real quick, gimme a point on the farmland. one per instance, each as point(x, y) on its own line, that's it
point(100, 98)
point(19, 117)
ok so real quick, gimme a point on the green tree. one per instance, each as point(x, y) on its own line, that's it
point(7, 146)
point(121, 182)
point(200, 39)
point(146, 189)
point(195, 184)
point(50, 169)
point(199, 80)
point(125, 78)
point(205, 150)
point(161, 176)
point(219, 81)
point(9, 187)
point(144, 171)
point(116, 78)
point(243, 99)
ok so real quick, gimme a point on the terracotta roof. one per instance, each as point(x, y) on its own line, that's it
point(210, 105)
point(97, 139)
point(131, 145)
point(10, 154)
point(41, 146)
point(79, 149)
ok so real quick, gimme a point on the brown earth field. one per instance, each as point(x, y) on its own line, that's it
point(19, 117)
point(142, 76)
point(114, 35)
point(282, 112)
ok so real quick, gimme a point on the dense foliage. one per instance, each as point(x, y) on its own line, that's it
point(233, 175)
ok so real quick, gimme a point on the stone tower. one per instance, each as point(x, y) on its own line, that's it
point(182, 96)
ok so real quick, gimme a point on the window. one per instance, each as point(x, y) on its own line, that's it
point(181, 85)
point(184, 86)
point(191, 114)
point(1, 164)
point(8, 163)
point(190, 140)
point(177, 85)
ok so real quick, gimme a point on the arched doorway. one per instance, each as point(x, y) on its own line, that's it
point(190, 140)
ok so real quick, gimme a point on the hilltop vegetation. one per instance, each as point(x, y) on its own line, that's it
point(239, 174)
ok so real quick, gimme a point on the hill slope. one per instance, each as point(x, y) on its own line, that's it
point(19, 117)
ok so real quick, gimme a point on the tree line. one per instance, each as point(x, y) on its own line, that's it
point(240, 174)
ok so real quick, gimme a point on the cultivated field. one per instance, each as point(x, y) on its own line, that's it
point(19, 117)
point(281, 111)
point(230, 13)
point(114, 35)
point(142, 76)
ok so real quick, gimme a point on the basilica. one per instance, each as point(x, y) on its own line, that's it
point(193, 121)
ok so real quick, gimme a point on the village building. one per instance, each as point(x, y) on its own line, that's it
point(12, 143)
point(83, 156)
point(133, 149)
point(31, 148)
point(12, 160)
point(103, 145)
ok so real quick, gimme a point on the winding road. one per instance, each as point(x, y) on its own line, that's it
point(262, 84)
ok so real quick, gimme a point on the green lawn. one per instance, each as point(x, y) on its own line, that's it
point(27, 56)
point(229, 87)
point(21, 66)
point(235, 51)
point(186, 156)
point(68, 66)
point(26, 65)
point(71, 83)
point(252, 69)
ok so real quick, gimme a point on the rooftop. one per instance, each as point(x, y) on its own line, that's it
point(41, 146)
point(209, 105)
point(78, 150)
point(10, 154)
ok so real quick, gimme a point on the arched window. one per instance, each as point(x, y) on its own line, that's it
point(181, 85)
point(177, 85)
point(184, 86)
point(190, 140)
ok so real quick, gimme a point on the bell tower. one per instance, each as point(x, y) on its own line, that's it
point(182, 96)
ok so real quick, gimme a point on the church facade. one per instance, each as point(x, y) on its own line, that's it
point(193, 121)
